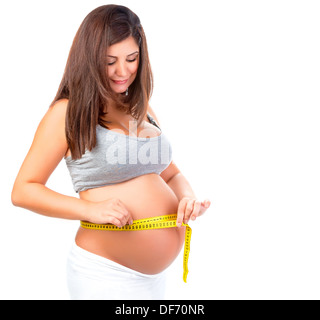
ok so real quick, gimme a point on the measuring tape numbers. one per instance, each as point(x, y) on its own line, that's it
point(160, 222)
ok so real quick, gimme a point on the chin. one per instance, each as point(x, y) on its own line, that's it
point(117, 90)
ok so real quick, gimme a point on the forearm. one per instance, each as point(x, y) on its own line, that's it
point(40, 199)
point(180, 186)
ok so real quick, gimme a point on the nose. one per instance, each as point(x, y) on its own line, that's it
point(121, 69)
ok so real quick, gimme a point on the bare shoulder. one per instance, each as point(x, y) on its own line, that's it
point(53, 121)
point(58, 110)
point(51, 129)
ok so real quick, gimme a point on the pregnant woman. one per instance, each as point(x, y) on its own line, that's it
point(119, 160)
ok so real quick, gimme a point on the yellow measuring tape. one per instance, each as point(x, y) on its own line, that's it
point(160, 222)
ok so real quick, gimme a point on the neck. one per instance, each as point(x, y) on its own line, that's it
point(115, 114)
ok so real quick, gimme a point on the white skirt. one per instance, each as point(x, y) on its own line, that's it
point(92, 277)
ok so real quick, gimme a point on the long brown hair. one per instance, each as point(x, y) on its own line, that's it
point(85, 81)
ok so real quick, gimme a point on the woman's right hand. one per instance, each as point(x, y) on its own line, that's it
point(108, 211)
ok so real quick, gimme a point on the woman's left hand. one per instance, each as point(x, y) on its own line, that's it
point(191, 208)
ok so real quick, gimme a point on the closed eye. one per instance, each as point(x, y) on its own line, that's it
point(132, 60)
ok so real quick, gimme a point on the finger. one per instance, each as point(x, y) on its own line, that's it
point(204, 206)
point(181, 210)
point(196, 210)
point(121, 222)
point(206, 203)
point(114, 220)
point(122, 209)
point(127, 219)
point(119, 215)
point(189, 210)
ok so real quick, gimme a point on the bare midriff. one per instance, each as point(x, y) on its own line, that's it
point(146, 251)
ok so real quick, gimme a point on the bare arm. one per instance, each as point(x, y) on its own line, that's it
point(29, 191)
point(48, 148)
point(189, 206)
point(173, 176)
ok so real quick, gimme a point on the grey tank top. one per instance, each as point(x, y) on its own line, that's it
point(118, 157)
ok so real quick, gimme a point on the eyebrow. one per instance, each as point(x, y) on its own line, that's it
point(127, 55)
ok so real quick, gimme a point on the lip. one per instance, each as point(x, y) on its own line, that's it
point(120, 81)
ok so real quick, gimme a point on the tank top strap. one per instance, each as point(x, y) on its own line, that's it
point(151, 120)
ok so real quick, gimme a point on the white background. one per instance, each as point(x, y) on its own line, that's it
point(237, 93)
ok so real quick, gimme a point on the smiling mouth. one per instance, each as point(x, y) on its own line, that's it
point(120, 81)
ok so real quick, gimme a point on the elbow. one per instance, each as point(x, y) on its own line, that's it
point(23, 195)
point(15, 197)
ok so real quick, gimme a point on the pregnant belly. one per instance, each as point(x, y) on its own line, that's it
point(147, 251)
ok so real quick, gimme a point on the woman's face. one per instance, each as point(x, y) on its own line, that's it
point(122, 64)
